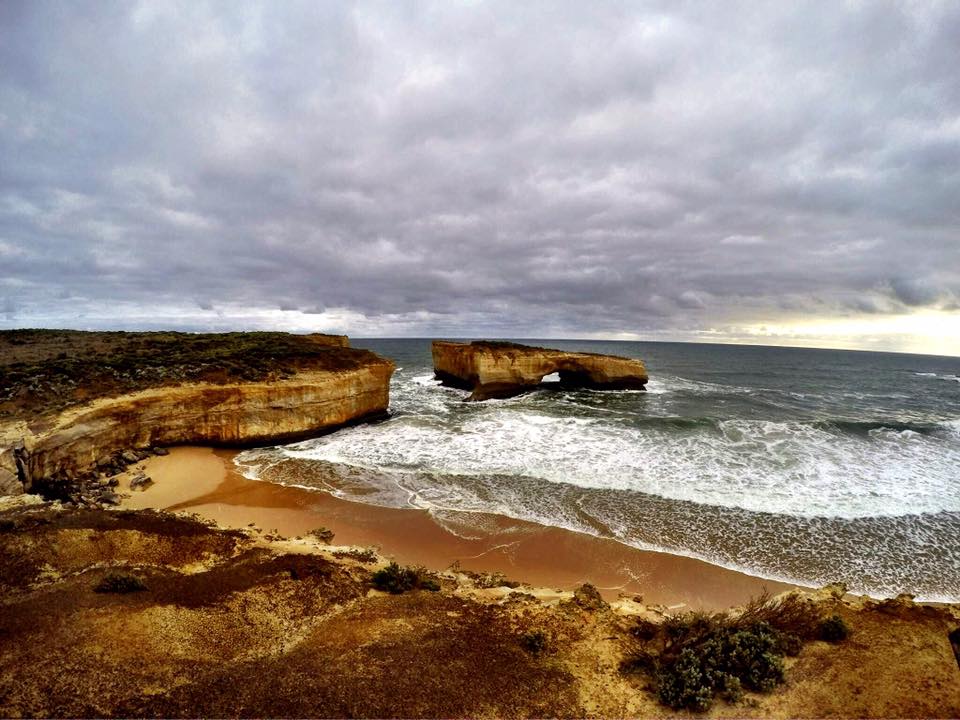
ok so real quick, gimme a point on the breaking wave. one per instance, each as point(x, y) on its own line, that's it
point(787, 480)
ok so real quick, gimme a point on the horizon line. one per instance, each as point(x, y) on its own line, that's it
point(439, 336)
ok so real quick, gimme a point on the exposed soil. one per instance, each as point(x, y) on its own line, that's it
point(43, 371)
point(221, 623)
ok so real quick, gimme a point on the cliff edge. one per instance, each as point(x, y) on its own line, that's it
point(501, 369)
point(71, 400)
point(147, 614)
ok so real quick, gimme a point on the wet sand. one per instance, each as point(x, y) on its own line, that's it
point(205, 481)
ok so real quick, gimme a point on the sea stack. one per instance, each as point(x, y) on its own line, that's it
point(501, 369)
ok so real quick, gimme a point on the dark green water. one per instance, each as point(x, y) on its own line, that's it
point(803, 465)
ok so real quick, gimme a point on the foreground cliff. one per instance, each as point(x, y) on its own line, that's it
point(146, 614)
point(70, 401)
point(500, 369)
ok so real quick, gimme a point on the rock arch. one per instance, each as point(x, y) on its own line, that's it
point(493, 369)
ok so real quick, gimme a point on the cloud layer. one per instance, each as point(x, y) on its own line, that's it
point(461, 168)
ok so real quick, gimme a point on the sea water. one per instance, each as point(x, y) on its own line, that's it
point(809, 466)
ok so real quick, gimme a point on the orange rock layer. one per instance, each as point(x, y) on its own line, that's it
point(244, 413)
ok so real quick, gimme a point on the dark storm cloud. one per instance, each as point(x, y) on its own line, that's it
point(467, 168)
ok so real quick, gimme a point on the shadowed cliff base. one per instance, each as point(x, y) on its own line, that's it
point(492, 369)
point(111, 613)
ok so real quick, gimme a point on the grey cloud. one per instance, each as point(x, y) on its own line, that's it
point(436, 167)
point(913, 292)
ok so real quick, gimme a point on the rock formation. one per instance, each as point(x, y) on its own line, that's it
point(497, 370)
point(338, 386)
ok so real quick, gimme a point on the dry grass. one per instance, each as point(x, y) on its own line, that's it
point(790, 614)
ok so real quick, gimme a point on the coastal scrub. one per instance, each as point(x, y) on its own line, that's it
point(395, 579)
point(694, 657)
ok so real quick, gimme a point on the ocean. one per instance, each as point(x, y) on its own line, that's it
point(801, 465)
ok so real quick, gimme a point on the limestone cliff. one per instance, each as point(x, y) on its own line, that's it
point(319, 392)
point(492, 369)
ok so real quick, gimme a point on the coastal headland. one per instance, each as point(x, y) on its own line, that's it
point(503, 369)
point(156, 582)
point(74, 402)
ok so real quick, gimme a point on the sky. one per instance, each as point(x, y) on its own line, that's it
point(772, 173)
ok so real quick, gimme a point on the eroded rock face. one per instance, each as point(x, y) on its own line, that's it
point(244, 413)
point(494, 370)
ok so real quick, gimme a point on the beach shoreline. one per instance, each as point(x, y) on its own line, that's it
point(204, 481)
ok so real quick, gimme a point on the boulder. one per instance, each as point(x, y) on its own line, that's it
point(589, 598)
point(140, 482)
point(109, 498)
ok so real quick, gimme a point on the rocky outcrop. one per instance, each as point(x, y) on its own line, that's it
point(303, 404)
point(492, 369)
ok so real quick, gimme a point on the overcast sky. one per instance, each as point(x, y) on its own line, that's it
point(785, 173)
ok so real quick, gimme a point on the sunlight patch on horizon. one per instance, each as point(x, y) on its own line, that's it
point(930, 332)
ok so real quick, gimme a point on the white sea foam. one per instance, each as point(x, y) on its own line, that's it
point(938, 376)
point(793, 468)
point(643, 468)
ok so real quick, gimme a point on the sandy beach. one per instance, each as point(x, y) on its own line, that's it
point(205, 481)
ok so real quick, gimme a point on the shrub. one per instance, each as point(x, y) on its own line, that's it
point(724, 662)
point(645, 629)
point(364, 555)
point(534, 642)
point(790, 614)
point(322, 534)
point(395, 579)
point(790, 644)
point(428, 583)
point(686, 684)
point(490, 580)
point(753, 656)
point(694, 657)
point(834, 629)
point(119, 583)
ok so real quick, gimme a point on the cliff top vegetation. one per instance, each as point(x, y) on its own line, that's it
point(45, 371)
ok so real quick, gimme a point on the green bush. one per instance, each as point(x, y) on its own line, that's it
point(120, 583)
point(790, 644)
point(695, 657)
point(428, 583)
point(395, 579)
point(686, 683)
point(754, 657)
point(723, 662)
point(834, 629)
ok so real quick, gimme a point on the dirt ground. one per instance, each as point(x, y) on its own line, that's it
point(231, 624)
